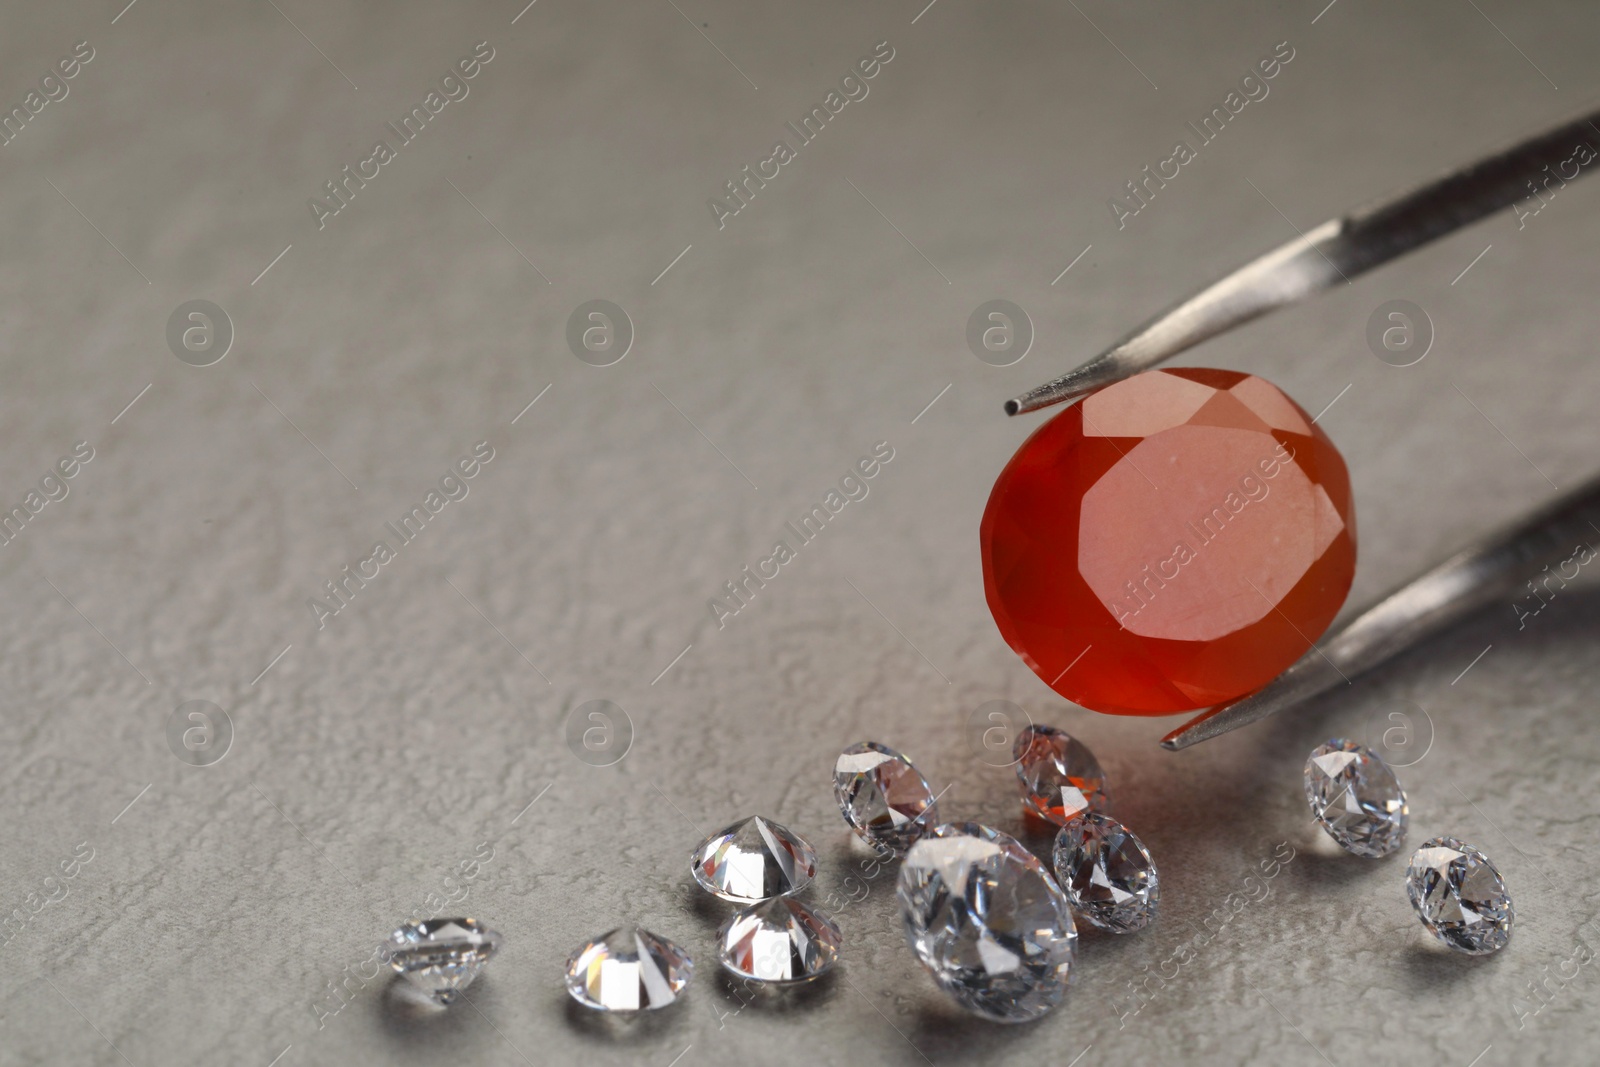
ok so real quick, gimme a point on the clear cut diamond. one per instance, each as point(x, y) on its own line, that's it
point(1355, 797)
point(441, 957)
point(987, 921)
point(1460, 896)
point(1107, 873)
point(628, 969)
point(1060, 776)
point(883, 797)
point(753, 860)
point(781, 941)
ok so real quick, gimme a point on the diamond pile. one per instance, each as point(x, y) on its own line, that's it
point(993, 926)
point(775, 940)
point(1456, 890)
point(1105, 870)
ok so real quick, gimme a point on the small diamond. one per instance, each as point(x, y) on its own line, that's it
point(1060, 777)
point(883, 797)
point(753, 860)
point(781, 941)
point(1107, 873)
point(628, 969)
point(1459, 896)
point(987, 921)
point(441, 956)
point(1355, 796)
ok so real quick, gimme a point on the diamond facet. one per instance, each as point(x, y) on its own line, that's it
point(1460, 896)
point(628, 969)
point(1107, 873)
point(883, 797)
point(781, 941)
point(1060, 776)
point(1188, 533)
point(1355, 797)
point(987, 921)
point(753, 860)
point(441, 957)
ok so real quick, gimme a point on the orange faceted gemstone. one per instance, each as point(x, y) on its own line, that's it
point(1171, 542)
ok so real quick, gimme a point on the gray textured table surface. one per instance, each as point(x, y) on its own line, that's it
point(222, 905)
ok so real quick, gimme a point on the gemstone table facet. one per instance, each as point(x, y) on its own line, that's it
point(1171, 542)
point(883, 797)
point(1355, 797)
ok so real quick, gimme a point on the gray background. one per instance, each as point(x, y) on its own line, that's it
point(378, 753)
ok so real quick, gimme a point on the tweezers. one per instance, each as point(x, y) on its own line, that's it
point(1334, 252)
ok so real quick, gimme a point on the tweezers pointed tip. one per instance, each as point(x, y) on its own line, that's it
point(1309, 676)
point(1080, 381)
point(1190, 733)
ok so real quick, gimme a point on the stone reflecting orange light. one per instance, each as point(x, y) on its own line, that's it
point(1171, 542)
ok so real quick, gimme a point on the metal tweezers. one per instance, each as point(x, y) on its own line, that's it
point(1479, 574)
